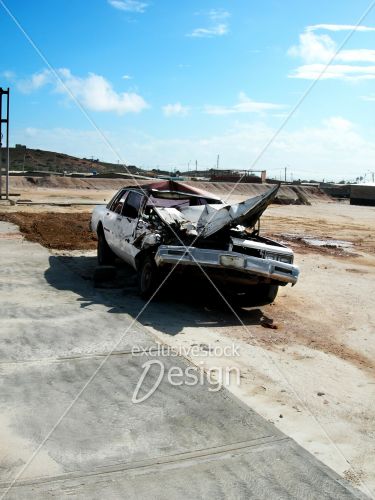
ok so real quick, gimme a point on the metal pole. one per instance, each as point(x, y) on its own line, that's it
point(7, 157)
point(23, 164)
point(4, 169)
point(1, 140)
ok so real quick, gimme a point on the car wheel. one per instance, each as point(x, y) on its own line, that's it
point(266, 294)
point(148, 278)
point(256, 295)
point(105, 254)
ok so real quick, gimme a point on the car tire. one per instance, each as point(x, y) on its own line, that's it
point(104, 253)
point(257, 295)
point(265, 294)
point(148, 278)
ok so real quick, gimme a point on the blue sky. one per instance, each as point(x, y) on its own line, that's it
point(169, 82)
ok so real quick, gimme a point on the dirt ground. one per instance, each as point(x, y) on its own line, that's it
point(60, 231)
point(313, 375)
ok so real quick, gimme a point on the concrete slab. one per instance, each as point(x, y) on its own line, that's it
point(182, 442)
point(104, 427)
point(256, 472)
point(41, 319)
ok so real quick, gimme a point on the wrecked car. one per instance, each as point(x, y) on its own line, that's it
point(165, 224)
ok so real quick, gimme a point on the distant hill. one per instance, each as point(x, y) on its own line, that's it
point(22, 158)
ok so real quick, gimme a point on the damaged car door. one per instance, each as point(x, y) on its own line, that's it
point(112, 212)
point(125, 224)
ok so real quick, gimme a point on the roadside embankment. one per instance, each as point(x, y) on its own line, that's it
point(288, 194)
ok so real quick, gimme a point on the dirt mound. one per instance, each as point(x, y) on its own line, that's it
point(28, 159)
point(287, 195)
point(57, 182)
point(295, 195)
point(61, 231)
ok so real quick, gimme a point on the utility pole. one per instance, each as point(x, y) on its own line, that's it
point(196, 167)
point(217, 162)
point(4, 119)
point(23, 163)
point(285, 173)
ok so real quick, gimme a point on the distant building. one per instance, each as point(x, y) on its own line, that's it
point(335, 190)
point(237, 176)
point(20, 146)
point(362, 194)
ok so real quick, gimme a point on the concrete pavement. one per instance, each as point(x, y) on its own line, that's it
point(182, 442)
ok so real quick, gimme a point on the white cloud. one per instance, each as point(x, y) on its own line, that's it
point(176, 109)
point(334, 71)
point(36, 81)
point(338, 123)
point(8, 74)
point(97, 94)
point(333, 149)
point(339, 27)
point(129, 5)
point(317, 50)
point(127, 77)
point(369, 98)
point(357, 55)
point(218, 30)
point(94, 92)
point(321, 48)
point(218, 14)
point(244, 105)
point(313, 48)
point(218, 27)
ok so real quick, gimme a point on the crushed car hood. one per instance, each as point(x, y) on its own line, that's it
point(245, 213)
point(209, 219)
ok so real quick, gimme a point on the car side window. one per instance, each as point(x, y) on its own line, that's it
point(132, 205)
point(119, 204)
point(115, 200)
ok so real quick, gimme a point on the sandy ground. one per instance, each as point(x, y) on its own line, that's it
point(313, 376)
point(62, 191)
point(83, 200)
